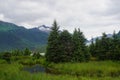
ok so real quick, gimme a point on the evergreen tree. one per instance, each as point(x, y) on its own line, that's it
point(96, 49)
point(76, 45)
point(102, 47)
point(106, 48)
point(80, 52)
point(115, 52)
point(27, 52)
point(66, 46)
point(92, 48)
point(84, 48)
point(53, 52)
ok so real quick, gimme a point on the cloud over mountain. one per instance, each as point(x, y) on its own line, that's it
point(92, 16)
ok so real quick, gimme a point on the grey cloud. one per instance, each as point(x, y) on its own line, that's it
point(86, 14)
point(114, 7)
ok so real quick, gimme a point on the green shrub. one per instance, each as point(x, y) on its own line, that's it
point(3, 61)
point(27, 62)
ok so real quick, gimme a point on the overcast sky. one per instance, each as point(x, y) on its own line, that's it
point(92, 16)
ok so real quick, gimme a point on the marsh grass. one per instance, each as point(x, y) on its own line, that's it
point(90, 69)
point(14, 71)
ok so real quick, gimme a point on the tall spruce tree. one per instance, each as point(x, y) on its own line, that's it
point(80, 52)
point(76, 56)
point(115, 55)
point(92, 48)
point(102, 47)
point(96, 49)
point(84, 48)
point(66, 46)
point(53, 52)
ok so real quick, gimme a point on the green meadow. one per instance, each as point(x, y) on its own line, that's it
point(89, 69)
point(103, 70)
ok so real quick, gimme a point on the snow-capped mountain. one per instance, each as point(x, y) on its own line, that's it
point(13, 36)
point(88, 42)
point(44, 28)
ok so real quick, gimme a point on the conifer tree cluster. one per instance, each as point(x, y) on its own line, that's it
point(106, 48)
point(66, 47)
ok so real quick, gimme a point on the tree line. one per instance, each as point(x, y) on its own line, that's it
point(17, 54)
point(66, 47)
point(106, 48)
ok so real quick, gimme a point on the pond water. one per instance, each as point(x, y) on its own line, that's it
point(35, 69)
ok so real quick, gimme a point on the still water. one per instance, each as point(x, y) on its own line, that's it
point(35, 69)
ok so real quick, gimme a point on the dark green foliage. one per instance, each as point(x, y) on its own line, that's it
point(6, 56)
point(77, 54)
point(66, 46)
point(92, 48)
point(17, 52)
point(27, 52)
point(80, 52)
point(100, 47)
point(115, 49)
point(37, 55)
point(106, 48)
point(87, 54)
point(52, 52)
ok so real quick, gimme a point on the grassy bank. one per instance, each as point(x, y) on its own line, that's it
point(90, 69)
point(14, 71)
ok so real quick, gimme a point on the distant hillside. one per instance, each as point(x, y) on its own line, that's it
point(17, 37)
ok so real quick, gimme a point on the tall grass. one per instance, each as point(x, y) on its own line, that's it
point(14, 71)
point(92, 69)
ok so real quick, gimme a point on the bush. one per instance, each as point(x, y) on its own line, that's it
point(6, 56)
point(3, 61)
point(27, 62)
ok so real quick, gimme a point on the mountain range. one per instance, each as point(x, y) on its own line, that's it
point(13, 36)
point(18, 37)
